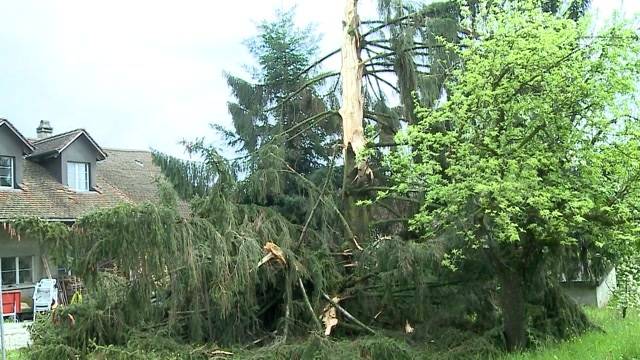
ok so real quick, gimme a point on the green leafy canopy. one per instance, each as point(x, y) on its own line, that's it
point(535, 139)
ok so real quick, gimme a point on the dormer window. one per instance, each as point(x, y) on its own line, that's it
point(78, 176)
point(7, 172)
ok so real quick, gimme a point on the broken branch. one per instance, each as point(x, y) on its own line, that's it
point(347, 314)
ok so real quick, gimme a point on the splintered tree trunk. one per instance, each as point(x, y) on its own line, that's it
point(352, 110)
point(512, 298)
point(352, 113)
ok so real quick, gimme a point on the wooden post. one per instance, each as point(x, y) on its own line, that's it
point(45, 263)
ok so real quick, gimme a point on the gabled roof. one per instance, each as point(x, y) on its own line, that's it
point(5, 122)
point(56, 144)
point(124, 177)
point(134, 173)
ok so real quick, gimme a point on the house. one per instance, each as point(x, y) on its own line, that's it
point(595, 292)
point(60, 177)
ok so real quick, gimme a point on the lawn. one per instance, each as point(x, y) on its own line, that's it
point(620, 340)
point(17, 355)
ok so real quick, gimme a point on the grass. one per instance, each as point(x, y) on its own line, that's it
point(17, 355)
point(620, 340)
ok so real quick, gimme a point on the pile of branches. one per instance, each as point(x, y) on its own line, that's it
point(242, 274)
point(246, 278)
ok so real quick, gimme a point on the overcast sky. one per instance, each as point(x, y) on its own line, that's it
point(146, 73)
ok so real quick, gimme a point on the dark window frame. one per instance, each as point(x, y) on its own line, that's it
point(13, 172)
point(17, 270)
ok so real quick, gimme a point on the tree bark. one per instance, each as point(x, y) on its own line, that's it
point(513, 301)
point(352, 109)
point(356, 173)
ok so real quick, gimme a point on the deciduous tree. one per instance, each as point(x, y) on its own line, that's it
point(534, 148)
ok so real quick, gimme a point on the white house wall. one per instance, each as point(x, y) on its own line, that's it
point(604, 292)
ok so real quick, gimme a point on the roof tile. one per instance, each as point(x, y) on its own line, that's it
point(124, 177)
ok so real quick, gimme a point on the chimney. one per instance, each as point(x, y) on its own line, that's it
point(44, 130)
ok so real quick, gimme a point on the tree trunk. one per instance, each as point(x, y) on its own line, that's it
point(356, 173)
point(352, 109)
point(357, 216)
point(514, 317)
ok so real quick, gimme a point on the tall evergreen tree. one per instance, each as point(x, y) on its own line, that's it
point(281, 125)
point(271, 108)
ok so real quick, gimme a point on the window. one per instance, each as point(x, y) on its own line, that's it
point(78, 176)
point(17, 270)
point(6, 172)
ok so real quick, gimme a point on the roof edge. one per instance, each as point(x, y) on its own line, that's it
point(107, 149)
point(17, 133)
point(4, 220)
point(101, 153)
point(93, 142)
